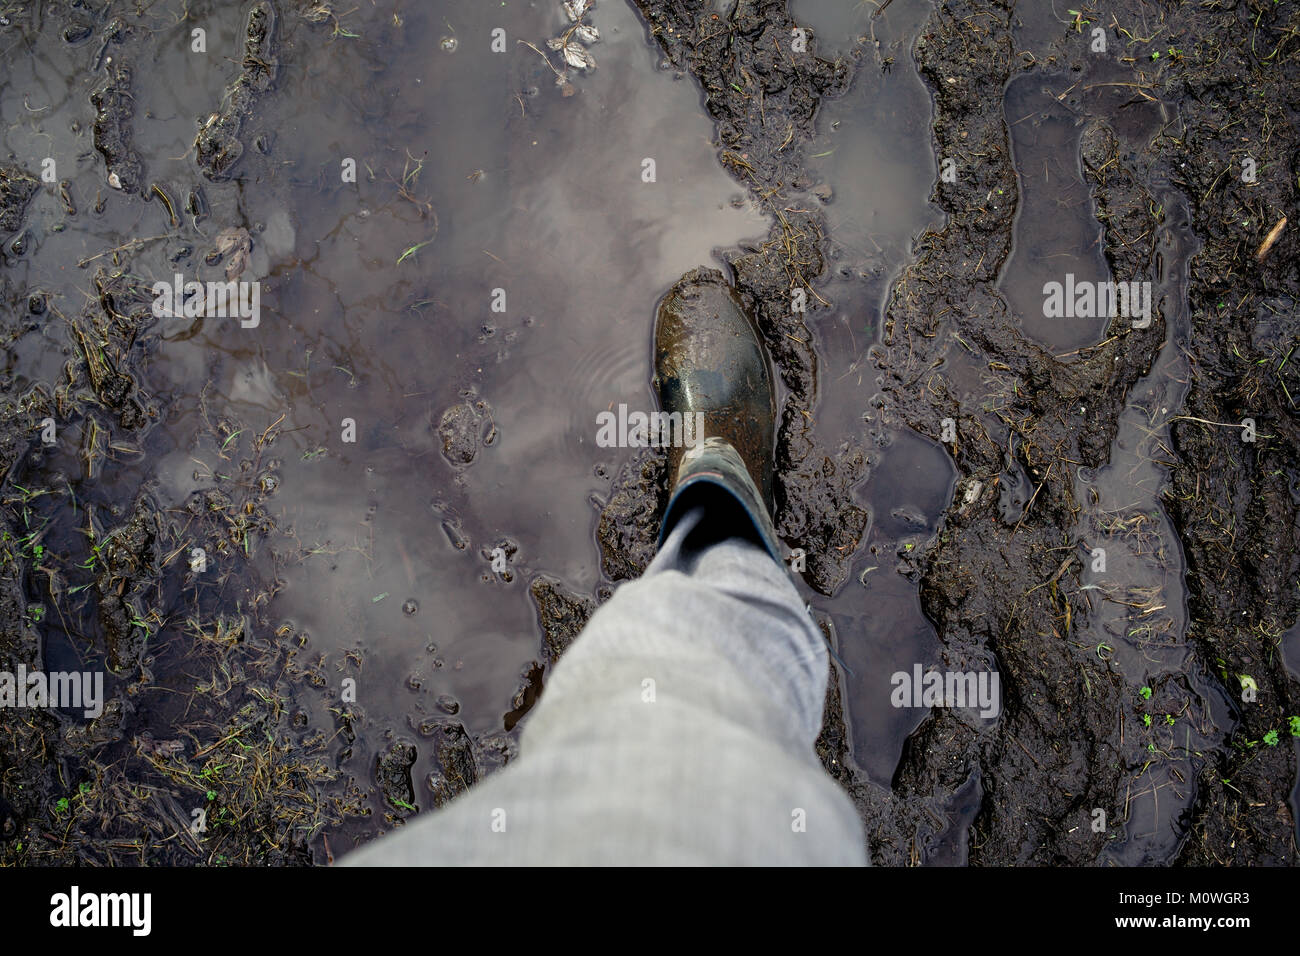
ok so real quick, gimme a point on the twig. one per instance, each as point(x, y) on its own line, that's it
point(542, 55)
point(1271, 238)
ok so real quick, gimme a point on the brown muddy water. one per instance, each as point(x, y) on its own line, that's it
point(872, 153)
point(417, 404)
point(521, 190)
point(500, 251)
point(499, 255)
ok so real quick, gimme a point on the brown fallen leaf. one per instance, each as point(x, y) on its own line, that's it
point(234, 244)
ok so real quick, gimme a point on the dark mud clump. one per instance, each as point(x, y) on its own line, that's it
point(459, 430)
point(128, 566)
point(456, 771)
point(464, 428)
point(562, 615)
point(219, 144)
point(16, 190)
point(114, 110)
point(1236, 503)
point(109, 335)
point(629, 522)
point(1007, 596)
point(393, 774)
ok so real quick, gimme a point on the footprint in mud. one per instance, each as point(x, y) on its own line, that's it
point(451, 525)
point(255, 384)
point(911, 517)
point(1014, 492)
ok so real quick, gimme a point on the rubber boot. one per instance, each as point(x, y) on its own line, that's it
point(709, 359)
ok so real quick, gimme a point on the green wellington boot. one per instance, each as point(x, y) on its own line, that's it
point(709, 359)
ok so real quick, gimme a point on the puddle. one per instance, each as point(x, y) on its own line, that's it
point(951, 847)
point(873, 150)
point(1290, 645)
point(841, 27)
point(874, 155)
point(879, 628)
point(496, 263)
point(545, 202)
point(479, 174)
point(490, 186)
point(1057, 237)
point(1133, 573)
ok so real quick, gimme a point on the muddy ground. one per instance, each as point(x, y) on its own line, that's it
point(1004, 581)
point(1004, 589)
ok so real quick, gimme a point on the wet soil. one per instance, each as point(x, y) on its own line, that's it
point(309, 634)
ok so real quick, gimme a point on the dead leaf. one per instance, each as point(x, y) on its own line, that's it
point(576, 56)
point(233, 244)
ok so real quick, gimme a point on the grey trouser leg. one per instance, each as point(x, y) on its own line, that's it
point(677, 729)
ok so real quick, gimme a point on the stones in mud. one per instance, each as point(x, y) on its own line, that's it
point(114, 109)
point(218, 146)
point(16, 190)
